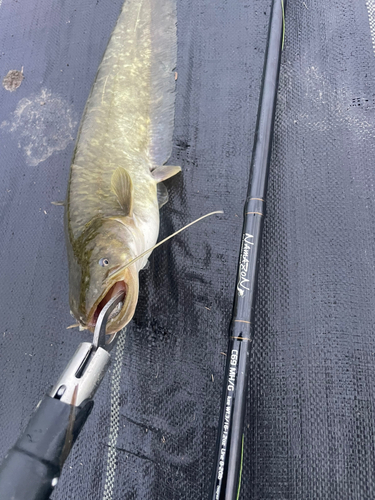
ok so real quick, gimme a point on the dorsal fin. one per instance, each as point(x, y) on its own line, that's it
point(122, 186)
point(163, 84)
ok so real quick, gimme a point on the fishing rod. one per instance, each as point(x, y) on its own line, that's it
point(226, 480)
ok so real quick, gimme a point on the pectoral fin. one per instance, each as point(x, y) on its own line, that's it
point(122, 186)
point(163, 196)
point(162, 173)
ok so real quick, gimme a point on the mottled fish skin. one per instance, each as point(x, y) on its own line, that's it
point(125, 136)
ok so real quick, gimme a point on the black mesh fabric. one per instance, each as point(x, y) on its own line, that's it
point(309, 430)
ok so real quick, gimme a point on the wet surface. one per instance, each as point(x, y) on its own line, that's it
point(42, 123)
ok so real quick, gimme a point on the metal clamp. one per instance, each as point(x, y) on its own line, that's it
point(86, 369)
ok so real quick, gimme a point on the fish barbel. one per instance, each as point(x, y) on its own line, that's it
point(124, 140)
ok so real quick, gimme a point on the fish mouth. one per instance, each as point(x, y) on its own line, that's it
point(120, 286)
point(123, 313)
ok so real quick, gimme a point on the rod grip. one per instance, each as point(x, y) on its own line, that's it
point(31, 469)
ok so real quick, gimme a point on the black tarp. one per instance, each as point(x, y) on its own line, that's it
point(309, 430)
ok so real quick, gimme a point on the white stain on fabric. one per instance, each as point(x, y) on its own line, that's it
point(42, 123)
point(371, 16)
point(13, 80)
point(332, 105)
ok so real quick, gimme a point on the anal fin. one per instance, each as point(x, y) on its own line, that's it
point(163, 195)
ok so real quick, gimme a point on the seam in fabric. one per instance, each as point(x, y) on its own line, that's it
point(114, 419)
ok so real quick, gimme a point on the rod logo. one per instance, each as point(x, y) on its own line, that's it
point(243, 281)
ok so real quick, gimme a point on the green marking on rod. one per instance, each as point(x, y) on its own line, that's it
point(282, 7)
point(239, 481)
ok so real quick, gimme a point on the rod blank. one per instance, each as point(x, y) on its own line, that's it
point(225, 482)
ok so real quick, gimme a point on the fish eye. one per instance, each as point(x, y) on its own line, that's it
point(104, 262)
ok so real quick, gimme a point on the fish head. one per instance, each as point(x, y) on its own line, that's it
point(98, 272)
